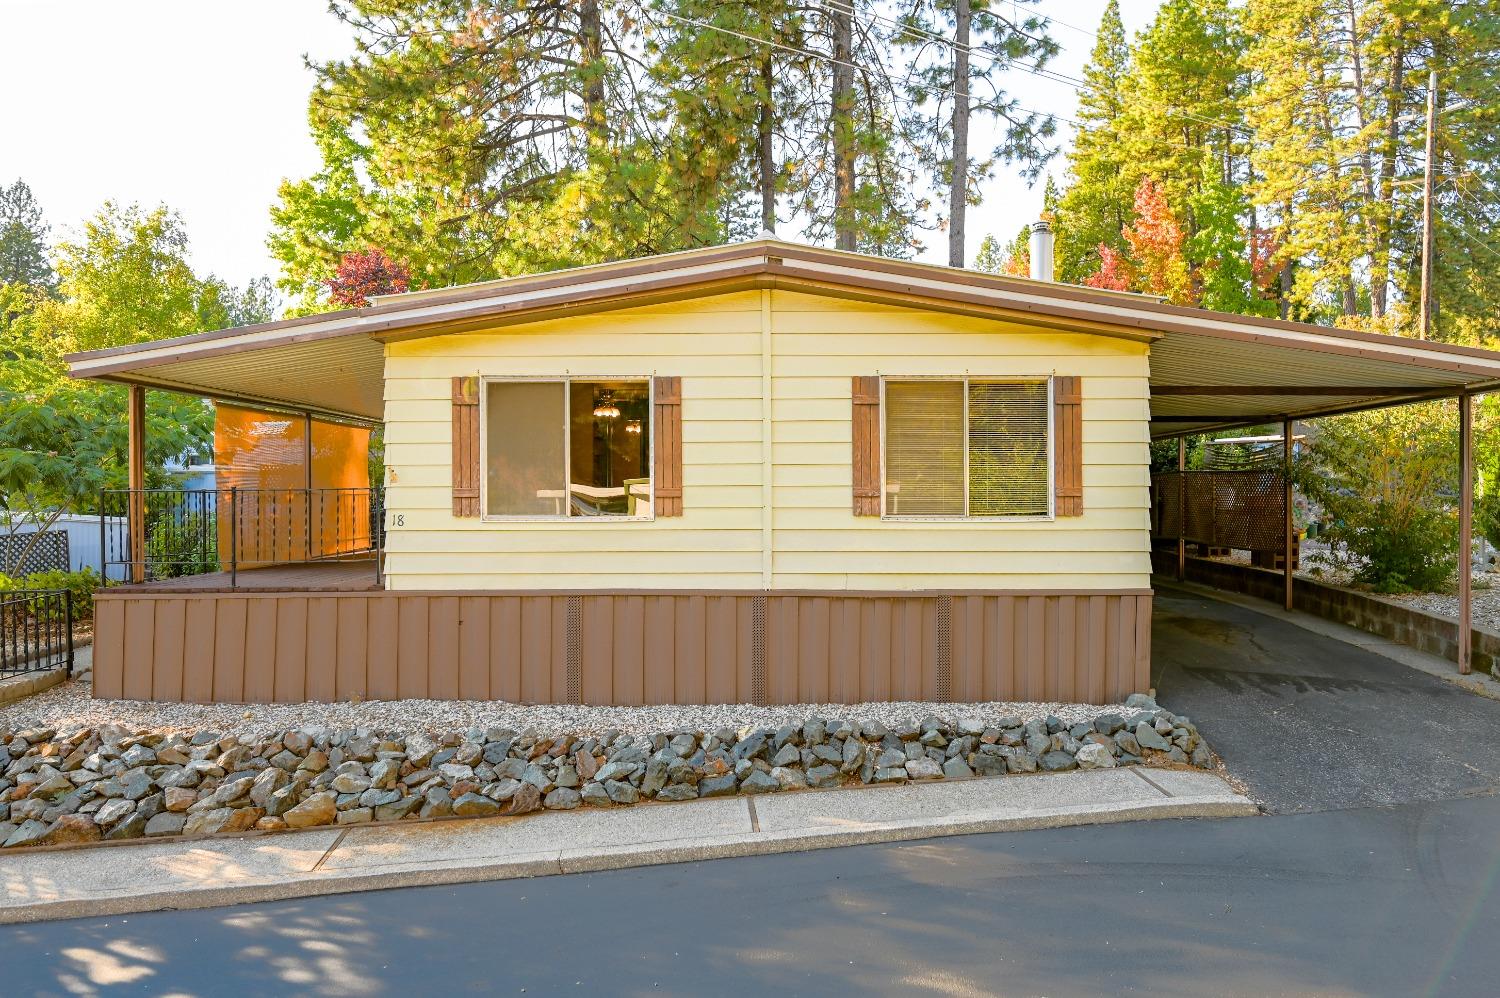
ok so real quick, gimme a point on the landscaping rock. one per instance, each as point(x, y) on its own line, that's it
point(923, 769)
point(1094, 756)
point(1148, 738)
point(319, 809)
point(122, 783)
point(71, 829)
point(565, 799)
point(717, 786)
point(1054, 762)
point(166, 823)
point(29, 833)
point(759, 782)
point(473, 805)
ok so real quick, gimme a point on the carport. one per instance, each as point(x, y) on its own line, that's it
point(1215, 372)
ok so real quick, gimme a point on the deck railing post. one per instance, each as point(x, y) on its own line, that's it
point(1181, 509)
point(1288, 537)
point(68, 625)
point(1465, 531)
point(103, 549)
point(234, 535)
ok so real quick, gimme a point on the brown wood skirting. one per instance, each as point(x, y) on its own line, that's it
point(622, 648)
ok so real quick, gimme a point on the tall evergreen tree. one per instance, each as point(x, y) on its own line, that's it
point(957, 51)
point(1096, 206)
point(23, 239)
point(735, 87)
point(471, 138)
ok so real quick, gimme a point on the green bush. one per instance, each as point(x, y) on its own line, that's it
point(1384, 481)
point(1416, 553)
point(80, 584)
point(183, 544)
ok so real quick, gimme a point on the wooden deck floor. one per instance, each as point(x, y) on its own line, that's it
point(354, 575)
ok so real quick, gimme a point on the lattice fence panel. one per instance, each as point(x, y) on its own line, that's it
point(1232, 509)
point(49, 554)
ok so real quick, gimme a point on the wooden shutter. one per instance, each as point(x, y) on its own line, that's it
point(466, 446)
point(666, 442)
point(1067, 445)
point(866, 395)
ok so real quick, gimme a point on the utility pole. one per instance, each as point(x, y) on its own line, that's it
point(1424, 308)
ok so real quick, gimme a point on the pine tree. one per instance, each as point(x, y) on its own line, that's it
point(473, 138)
point(735, 92)
point(23, 239)
point(957, 50)
point(1096, 206)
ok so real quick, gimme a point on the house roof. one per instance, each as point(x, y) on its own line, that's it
point(1208, 369)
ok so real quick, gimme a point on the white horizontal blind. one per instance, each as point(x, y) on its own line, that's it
point(1008, 448)
point(924, 448)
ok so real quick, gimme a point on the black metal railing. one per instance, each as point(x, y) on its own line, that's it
point(201, 531)
point(36, 630)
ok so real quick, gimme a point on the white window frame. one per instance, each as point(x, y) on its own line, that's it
point(964, 379)
point(567, 381)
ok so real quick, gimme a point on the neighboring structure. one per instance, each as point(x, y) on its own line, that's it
point(762, 472)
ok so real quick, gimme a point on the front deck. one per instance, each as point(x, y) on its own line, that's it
point(342, 576)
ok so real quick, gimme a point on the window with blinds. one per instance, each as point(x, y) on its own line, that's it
point(967, 447)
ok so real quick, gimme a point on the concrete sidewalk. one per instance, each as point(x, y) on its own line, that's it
point(204, 872)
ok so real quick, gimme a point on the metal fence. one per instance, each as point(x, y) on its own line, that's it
point(1245, 510)
point(36, 631)
point(201, 531)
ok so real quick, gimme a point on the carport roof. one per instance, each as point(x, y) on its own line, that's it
point(1209, 370)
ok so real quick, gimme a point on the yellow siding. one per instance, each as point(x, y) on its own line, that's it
point(816, 344)
point(712, 343)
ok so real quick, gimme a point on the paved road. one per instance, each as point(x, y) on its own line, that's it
point(1309, 722)
point(1384, 901)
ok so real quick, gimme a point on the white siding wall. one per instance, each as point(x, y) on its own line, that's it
point(817, 344)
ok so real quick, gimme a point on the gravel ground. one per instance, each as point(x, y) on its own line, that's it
point(1485, 605)
point(70, 705)
point(1486, 592)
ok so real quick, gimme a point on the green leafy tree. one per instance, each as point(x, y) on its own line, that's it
point(23, 239)
point(125, 280)
point(1384, 481)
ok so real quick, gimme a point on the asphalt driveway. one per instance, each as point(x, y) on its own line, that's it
point(1311, 723)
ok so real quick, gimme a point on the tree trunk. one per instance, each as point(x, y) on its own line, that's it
point(958, 192)
point(766, 149)
point(591, 72)
point(843, 128)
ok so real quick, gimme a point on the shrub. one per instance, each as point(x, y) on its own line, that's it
point(80, 584)
point(1384, 480)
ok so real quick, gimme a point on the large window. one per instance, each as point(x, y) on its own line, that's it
point(967, 447)
point(564, 448)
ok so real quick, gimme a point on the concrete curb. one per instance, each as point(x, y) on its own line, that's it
point(564, 861)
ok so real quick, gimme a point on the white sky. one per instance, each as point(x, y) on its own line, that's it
point(202, 106)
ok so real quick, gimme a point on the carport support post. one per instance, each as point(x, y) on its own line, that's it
point(136, 465)
point(1465, 529)
point(1289, 535)
point(1181, 508)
